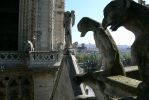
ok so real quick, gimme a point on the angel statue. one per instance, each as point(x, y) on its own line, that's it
point(69, 20)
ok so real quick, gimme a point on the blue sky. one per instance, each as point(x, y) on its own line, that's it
point(94, 10)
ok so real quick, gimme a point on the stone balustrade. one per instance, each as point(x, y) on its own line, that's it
point(12, 59)
point(44, 59)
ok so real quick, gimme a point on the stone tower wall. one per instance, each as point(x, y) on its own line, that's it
point(58, 33)
point(41, 22)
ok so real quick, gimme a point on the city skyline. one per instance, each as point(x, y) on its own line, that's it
point(94, 10)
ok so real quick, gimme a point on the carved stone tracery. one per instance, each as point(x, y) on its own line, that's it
point(16, 87)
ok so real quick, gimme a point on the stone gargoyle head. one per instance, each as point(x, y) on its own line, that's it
point(115, 14)
point(87, 24)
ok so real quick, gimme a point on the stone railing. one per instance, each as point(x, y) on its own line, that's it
point(33, 59)
point(44, 59)
point(12, 58)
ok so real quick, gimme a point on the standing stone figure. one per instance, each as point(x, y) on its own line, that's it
point(69, 20)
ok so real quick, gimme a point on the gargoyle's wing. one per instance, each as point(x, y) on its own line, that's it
point(73, 17)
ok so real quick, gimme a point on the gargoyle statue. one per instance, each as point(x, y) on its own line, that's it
point(134, 17)
point(111, 64)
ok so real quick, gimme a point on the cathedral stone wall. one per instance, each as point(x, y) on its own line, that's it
point(43, 85)
point(58, 33)
point(41, 23)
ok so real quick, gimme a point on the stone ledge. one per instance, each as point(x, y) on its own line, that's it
point(124, 83)
point(85, 97)
point(131, 69)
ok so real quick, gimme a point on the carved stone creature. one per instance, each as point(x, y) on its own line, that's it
point(103, 40)
point(30, 45)
point(111, 62)
point(69, 21)
point(134, 17)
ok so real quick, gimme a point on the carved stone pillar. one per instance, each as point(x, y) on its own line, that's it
point(44, 23)
point(41, 22)
point(22, 25)
point(26, 23)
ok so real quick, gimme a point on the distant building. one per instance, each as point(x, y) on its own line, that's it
point(83, 48)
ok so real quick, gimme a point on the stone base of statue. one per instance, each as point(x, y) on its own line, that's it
point(69, 51)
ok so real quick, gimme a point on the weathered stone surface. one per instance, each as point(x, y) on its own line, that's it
point(65, 87)
point(41, 23)
point(133, 17)
point(111, 64)
point(126, 84)
point(69, 21)
point(84, 97)
point(43, 85)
